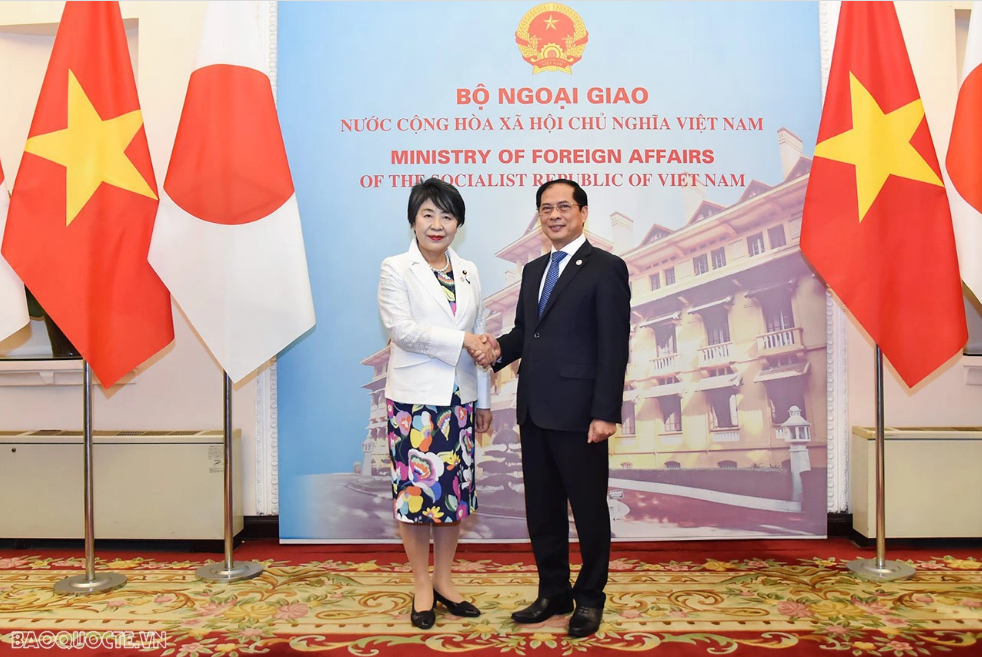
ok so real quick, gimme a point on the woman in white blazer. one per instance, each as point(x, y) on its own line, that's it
point(437, 392)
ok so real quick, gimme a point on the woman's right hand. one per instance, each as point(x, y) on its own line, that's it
point(480, 349)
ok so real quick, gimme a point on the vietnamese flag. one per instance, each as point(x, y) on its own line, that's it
point(876, 223)
point(228, 241)
point(964, 160)
point(13, 301)
point(84, 201)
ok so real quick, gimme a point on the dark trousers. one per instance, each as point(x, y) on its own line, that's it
point(561, 466)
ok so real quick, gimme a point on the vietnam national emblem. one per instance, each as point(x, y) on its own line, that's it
point(551, 37)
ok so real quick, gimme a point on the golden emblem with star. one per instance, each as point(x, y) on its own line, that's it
point(92, 150)
point(551, 37)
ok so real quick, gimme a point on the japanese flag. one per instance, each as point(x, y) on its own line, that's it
point(227, 241)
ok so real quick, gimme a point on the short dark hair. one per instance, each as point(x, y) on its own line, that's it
point(578, 194)
point(444, 196)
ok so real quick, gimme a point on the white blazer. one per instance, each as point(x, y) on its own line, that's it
point(426, 338)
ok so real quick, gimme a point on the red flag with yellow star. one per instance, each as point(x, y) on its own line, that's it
point(876, 222)
point(85, 197)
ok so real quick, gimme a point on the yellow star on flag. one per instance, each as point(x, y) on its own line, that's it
point(879, 145)
point(551, 23)
point(92, 151)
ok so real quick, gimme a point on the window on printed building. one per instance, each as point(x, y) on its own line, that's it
point(671, 408)
point(755, 244)
point(722, 405)
point(717, 327)
point(655, 280)
point(670, 276)
point(778, 314)
point(727, 465)
point(700, 264)
point(627, 421)
point(776, 235)
point(665, 340)
point(719, 257)
point(784, 394)
point(673, 465)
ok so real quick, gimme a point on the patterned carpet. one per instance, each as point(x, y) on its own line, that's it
point(740, 598)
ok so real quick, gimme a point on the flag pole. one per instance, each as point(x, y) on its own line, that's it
point(89, 582)
point(879, 569)
point(229, 571)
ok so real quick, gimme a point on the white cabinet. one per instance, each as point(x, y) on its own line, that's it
point(933, 486)
point(163, 485)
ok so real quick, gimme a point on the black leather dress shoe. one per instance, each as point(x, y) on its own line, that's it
point(462, 608)
point(424, 620)
point(585, 621)
point(543, 609)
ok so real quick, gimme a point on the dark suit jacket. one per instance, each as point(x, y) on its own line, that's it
point(575, 356)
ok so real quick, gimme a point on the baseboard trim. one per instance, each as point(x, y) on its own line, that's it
point(895, 543)
point(260, 527)
point(216, 546)
point(840, 525)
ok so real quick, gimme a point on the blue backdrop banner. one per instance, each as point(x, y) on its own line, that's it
point(690, 126)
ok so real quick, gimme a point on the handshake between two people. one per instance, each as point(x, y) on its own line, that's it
point(483, 348)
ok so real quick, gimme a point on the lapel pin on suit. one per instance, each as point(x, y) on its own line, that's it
point(463, 272)
point(579, 262)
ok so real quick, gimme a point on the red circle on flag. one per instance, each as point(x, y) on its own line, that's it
point(964, 158)
point(229, 164)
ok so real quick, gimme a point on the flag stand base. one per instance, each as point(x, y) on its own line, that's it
point(82, 585)
point(887, 571)
point(220, 572)
point(879, 569)
point(228, 570)
point(90, 582)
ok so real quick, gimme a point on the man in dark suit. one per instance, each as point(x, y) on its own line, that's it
point(572, 326)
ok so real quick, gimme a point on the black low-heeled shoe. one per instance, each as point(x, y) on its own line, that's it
point(462, 608)
point(424, 620)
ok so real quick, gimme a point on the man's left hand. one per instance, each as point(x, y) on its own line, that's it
point(600, 430)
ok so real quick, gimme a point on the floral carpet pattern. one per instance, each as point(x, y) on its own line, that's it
point(706, 606)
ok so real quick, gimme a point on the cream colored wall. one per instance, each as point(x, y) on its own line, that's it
point(944, 399)
point(181, 388)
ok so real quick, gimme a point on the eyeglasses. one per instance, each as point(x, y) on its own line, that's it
point(564, 208)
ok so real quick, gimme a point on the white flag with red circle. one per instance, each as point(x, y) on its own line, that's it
point(13, 301)
point(963, 163)
point(227, 241)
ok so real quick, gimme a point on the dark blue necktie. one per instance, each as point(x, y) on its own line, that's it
point(551, 279)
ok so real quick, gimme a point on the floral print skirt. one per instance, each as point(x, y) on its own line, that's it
point(432, 452)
